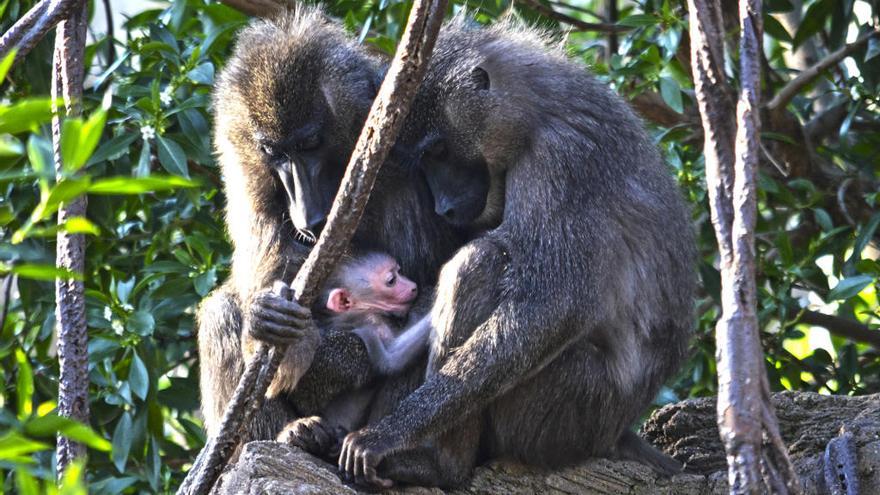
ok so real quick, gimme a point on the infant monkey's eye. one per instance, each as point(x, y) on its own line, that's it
point(391, 280)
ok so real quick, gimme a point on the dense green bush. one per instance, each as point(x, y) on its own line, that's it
point(157, 245)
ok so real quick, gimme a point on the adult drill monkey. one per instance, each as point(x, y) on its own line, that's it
point(289, 106)
point(555, 327)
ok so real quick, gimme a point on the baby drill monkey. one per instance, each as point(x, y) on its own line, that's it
point(366, 295)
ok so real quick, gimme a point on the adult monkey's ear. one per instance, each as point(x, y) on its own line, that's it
point(479, 77)
point(339, 301)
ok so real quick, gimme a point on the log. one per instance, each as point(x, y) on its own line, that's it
point(686, 430)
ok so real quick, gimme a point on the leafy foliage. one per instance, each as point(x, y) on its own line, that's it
point(156, 241)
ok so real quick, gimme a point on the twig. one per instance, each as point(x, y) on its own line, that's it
point(259, 8)
point(808, 75)
point(33, 26)
point(383, 124)
point(843, 327)
point(579, 25)
point(111, 37)
point(576, 8)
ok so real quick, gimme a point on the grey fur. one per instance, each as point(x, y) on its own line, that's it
point(286, 74)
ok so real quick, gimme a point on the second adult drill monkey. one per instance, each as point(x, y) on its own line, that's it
point(368, 296)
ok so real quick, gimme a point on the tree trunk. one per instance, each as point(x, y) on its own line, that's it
point(70, 310)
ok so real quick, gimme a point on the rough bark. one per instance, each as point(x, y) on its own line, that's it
point(70, 309)
point(687, 430)
point(34, 25)
point(378, 135)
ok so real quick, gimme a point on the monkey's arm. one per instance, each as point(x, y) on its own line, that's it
point(397, 355)
point(340, 364)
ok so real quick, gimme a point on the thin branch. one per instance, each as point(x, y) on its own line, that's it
point(111, 36)
point(808, 75)
point(576, 8)
point(382, 126)
point(650, 106)
point(842, 327)
point(33, 26)
point(259, 8)
point(579, 25)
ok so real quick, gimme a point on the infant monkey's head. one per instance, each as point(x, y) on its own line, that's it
point(369, 283)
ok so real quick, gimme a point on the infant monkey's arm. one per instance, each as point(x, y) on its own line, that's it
point(393, 356)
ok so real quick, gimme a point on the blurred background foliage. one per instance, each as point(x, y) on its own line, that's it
point(157, 245)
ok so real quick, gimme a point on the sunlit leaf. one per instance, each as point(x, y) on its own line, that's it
point(849, 287)
point(24, 385)
point(53, 424)
point(139, 185)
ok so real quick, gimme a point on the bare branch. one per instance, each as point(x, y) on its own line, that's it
point(33, 26)
point(379, 133)
point(716, 106)
point(843, 327)
point(259, 8)
point(578, 24)
point(807, 76)
point(70, 310)
point(650, 106)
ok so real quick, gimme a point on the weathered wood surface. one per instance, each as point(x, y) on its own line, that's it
point(685, 430)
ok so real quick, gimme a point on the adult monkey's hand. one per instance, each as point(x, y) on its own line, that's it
point(276, 318)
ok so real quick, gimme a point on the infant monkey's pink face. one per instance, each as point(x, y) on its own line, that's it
point(392, 288)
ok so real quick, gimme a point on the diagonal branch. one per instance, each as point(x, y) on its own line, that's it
point(259, 8)
point(843, 327)
point(33, 26)
point(579, 25)
point(380, 131)
point(808, 75)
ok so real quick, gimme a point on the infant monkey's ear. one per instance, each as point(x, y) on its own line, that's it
point(339, 301)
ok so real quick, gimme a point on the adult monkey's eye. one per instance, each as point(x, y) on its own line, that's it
point(310, 143)
point(437, 150)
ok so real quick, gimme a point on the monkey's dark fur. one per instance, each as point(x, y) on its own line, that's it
point(292, 100)
point(555, 328)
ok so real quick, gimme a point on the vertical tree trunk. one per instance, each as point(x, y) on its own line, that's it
point(731, 155)
point(70, 311)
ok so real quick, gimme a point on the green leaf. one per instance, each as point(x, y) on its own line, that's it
point(813, 20)
point(775, 28)
point(39, 151)
point(139, 185)
point(122, 437)
point(639, 20)
point(13, 445)
point(142, 323)
point(203, 74)
point(873, 48)
point(52, 424)
point(172, 157)
point(123, 289)
point(24, 385)
point(90, 135)
point(138, 379)
point(205, 282)
point(71, 129)
point(849, 287)
point(80, 225)
point(26, 483)
point(26, 114)
point(6, 63)
point(671, 93)
point(113, 148)
point(10, 146)
point(43, 272)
